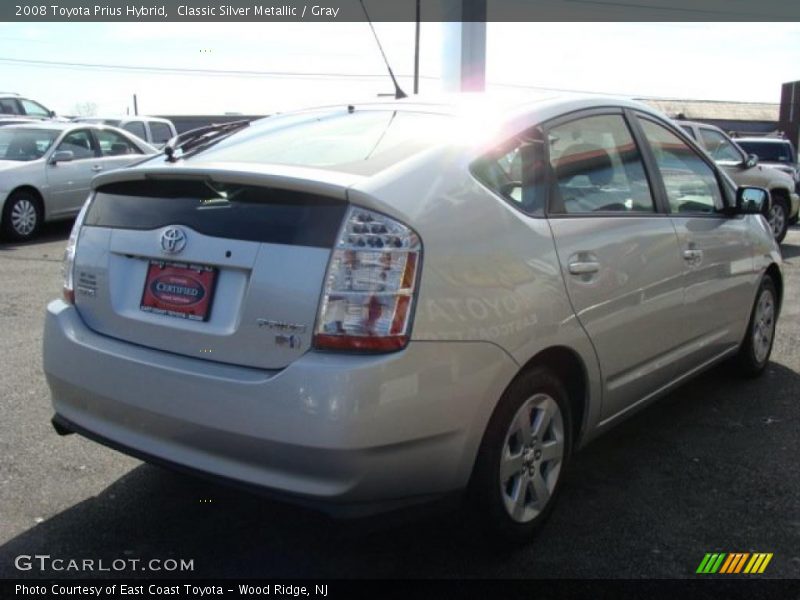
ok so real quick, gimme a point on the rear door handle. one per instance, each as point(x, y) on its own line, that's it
point(97, 167)
point(582, 267)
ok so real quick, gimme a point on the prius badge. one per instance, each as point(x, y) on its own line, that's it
point(173, 240)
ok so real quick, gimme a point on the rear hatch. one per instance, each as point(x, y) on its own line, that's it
point(218, 271)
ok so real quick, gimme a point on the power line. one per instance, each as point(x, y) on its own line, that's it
point(193, 71)
point(291, 75)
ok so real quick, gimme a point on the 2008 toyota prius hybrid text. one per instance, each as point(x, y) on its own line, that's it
point(368, 306)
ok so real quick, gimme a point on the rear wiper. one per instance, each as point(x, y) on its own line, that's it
point(201, 137)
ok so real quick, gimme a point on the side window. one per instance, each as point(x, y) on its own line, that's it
point(9, 106)
point(597, 168)
point(161, 132)
point(113, 144)
point(719, 147)
point(690, 182)
point(517, 171)
point(34, 109)
point(79, 143)
point(137, 129)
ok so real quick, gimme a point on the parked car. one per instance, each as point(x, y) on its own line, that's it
point(777, 153)
point(14, 104)
point(154, 130)
point(365, 307)
point(46, 168)
point(747, 169)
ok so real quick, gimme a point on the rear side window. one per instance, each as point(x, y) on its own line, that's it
point(137, 129)
point(161, 132)
point(690, 182)
point(719, 147)
point(229, 211)
point(361, 142)
point(597, 168)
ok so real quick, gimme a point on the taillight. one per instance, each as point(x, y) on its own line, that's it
point(368, 296)
point(69, 255)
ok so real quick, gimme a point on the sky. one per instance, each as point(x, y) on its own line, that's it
point(259, 68)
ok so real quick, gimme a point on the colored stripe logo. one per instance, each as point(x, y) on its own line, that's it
point(734, 562)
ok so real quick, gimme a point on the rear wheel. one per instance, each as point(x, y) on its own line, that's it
point(778, 217)
point(524, 451)
point(757, 345)
point(22, 216)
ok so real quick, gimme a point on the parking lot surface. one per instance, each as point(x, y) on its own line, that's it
point(713, 467)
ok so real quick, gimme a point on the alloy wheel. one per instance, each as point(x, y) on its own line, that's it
point(777, 219)
point(23, 217)
point(764, 325)
point(533, 452)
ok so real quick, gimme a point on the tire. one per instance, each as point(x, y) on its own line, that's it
point(778, 217)
point(756, 347)
point(22, 216)
point(514, 486)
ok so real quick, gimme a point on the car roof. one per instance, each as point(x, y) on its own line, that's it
point(61, 125)
point(121, 118)
point(695, 123)
point(768, 140)
point(493, 112)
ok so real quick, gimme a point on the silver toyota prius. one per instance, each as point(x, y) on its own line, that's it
point(362, 307)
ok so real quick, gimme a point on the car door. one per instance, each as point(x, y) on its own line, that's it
point(116, 150)
point(69, 181)
point(618, 253)
point(715, 248)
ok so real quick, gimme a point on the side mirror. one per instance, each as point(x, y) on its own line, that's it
point(62, 156)
point(52, 114)
point(751, 200)
point(751, 161)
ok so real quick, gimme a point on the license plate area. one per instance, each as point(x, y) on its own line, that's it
point(180, 290)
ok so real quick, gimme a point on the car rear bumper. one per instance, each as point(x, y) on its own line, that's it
point(336, 431)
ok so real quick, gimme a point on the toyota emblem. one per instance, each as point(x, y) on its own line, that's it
point(173, 240)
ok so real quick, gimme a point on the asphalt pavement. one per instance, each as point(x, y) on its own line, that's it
point(713, 467)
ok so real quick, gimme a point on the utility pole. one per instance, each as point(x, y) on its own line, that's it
point(135, 106)
point(416, 52)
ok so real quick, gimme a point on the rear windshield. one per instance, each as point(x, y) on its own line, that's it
point(359, 142)
point(241, 212)
point(769, 151)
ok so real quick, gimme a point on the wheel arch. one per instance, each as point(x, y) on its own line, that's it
point(775, 273)
point(569, 367)
point(32, 190)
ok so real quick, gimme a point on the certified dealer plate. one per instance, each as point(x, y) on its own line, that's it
point(179, 290)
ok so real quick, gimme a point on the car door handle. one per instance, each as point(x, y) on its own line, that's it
point(582, 267)
point(97, 167)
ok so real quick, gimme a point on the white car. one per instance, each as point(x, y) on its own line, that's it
point(366, 306)
point(46, 168)
point(154, 130)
